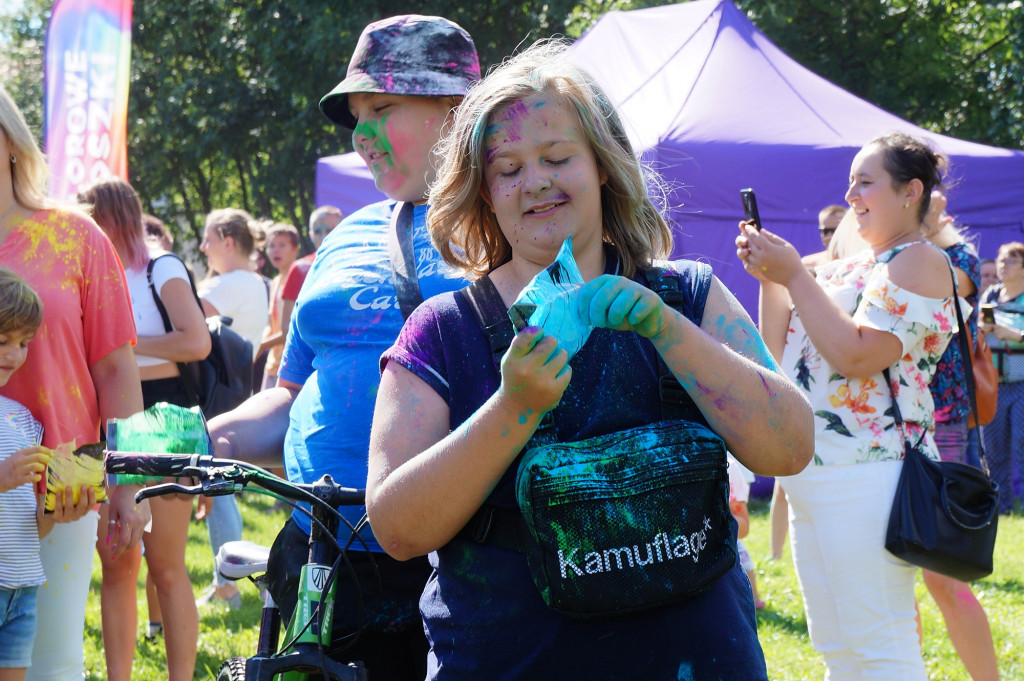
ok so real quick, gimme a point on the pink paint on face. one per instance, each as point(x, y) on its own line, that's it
point(542, 179)
point(394, 136)
point(506, 129)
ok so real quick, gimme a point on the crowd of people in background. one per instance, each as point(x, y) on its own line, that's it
point(485, 179)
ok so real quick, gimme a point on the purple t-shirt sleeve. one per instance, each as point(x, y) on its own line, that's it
point(419, 349)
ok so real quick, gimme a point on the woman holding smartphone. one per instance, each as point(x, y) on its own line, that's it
point(886, 307)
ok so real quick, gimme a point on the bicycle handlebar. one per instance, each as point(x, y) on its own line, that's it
point(160, 465)
point(223, 476)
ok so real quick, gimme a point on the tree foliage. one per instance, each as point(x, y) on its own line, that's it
point(953, 66)
point(224, 98)
point(223, 103)
point(22, 36)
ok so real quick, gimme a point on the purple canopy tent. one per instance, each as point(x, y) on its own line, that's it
point(715, 106)
point(345, 181)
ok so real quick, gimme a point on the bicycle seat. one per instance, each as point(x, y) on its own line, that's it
point(238, 559)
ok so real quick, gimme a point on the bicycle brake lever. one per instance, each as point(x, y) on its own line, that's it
point(166, 488)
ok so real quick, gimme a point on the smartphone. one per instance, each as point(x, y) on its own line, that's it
point(988, 314)
point(750, 207)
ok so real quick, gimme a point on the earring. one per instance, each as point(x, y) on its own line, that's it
point(14, 159)
point(906, 205)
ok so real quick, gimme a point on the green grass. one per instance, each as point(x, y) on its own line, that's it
point(782, 626)
point(222, 633)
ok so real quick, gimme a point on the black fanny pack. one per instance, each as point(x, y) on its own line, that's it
point(619, 523)
point(627, 521)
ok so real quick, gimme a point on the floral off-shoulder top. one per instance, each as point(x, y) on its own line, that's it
point(853, 416)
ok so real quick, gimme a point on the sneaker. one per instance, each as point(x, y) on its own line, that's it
point(154, 629)
point(210, 599)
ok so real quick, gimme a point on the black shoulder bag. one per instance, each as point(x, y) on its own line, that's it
point(619, 523)
point(223, 379)
point(944, 515)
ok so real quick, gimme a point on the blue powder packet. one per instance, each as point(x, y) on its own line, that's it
point(549, 301)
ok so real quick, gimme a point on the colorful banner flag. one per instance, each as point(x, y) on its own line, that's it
point(88, 49)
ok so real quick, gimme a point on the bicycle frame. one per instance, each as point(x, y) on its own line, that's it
point(309, 630)
point(310, 625)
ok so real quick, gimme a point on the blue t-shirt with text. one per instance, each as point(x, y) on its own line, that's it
point(345, 317)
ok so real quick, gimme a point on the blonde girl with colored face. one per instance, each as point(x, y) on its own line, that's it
point(535, 155)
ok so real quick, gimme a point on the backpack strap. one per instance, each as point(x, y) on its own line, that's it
point(187, 376)
point(489, 309)
point(490, 313)
point(676, 403)
point(505, 528)
point(156, 297)
point(403, 259)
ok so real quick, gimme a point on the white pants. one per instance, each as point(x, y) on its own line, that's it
point(67, 554)
point(858, 597)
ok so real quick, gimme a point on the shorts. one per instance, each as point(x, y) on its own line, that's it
point(17, 626)
point(170, 390)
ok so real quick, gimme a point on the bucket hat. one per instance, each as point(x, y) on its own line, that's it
point(406, 55)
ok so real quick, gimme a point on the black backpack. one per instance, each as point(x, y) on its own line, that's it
point(223, 380)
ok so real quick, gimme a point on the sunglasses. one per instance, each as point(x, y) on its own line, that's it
point(827, 231)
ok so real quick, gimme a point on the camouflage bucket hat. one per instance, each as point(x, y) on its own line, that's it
point(406, 55)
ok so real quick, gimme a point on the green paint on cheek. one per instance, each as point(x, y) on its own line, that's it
point(522, 419)
point(376, 130)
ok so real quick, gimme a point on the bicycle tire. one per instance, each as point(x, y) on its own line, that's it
point(232, 670)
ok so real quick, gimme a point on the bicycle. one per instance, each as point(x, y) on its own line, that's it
point(305, 651)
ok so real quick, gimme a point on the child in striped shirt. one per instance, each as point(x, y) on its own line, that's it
point(22, 463)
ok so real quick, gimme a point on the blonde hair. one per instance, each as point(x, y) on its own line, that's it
point(464, 229)
point(116, 208)
point(847, 240)
point(20, 306)
point(239, 225)
point(29, 173)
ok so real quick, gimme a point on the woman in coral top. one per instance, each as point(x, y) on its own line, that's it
point(80, 372)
